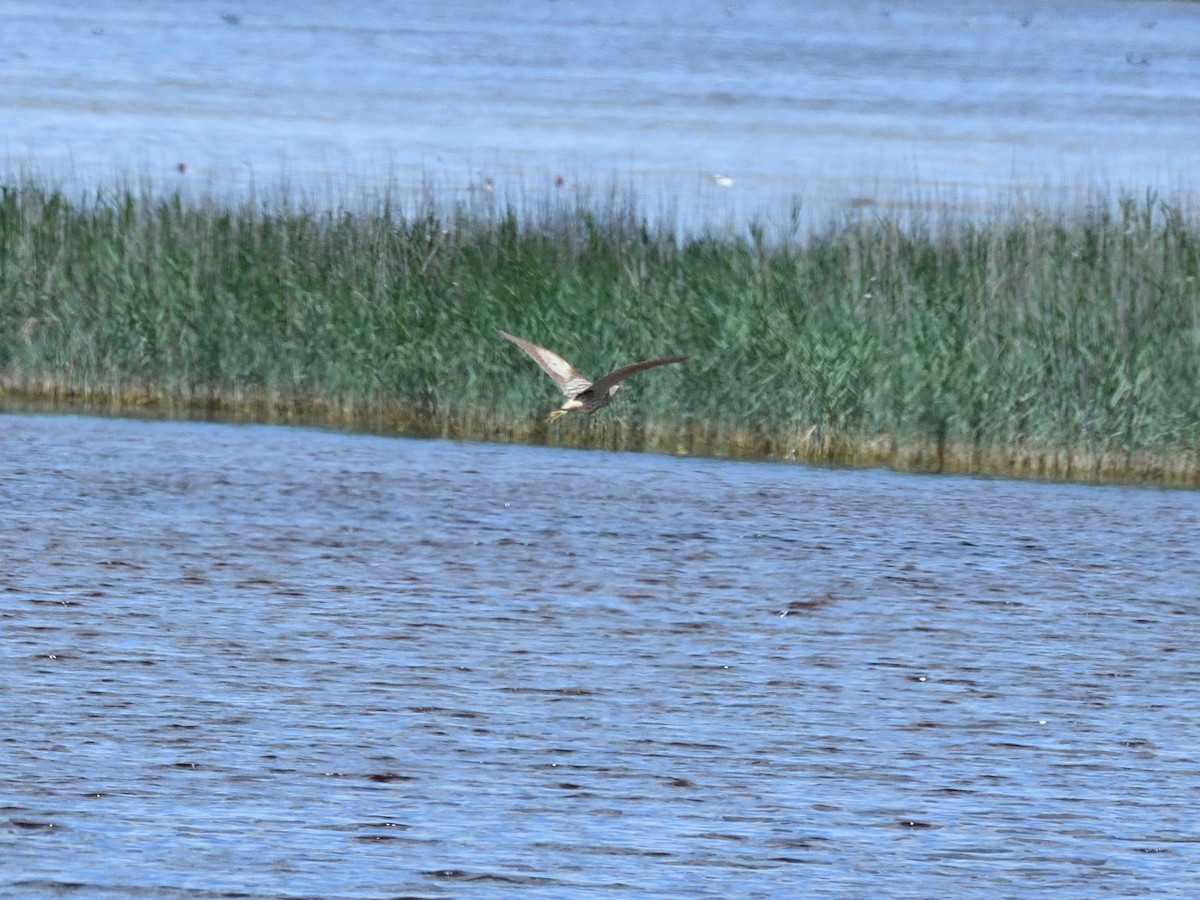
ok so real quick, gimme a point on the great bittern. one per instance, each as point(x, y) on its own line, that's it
point(584, 395)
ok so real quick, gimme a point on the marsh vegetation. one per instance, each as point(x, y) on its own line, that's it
point(1030, 343)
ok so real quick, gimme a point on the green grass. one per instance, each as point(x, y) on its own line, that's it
point(1056, 344)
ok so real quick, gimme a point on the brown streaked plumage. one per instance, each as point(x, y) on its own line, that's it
point(586, 396)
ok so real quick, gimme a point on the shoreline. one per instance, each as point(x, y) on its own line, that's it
point(1019, 461)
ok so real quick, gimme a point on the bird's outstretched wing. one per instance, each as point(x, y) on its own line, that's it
point(563, 373)
point(616, 375)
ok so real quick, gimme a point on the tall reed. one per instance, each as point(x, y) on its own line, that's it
point(1061, 343)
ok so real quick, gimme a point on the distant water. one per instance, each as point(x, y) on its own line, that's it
point(710, 112)
point(278, 662)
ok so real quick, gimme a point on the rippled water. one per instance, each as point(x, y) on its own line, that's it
point(284, 662)
point(717, 108)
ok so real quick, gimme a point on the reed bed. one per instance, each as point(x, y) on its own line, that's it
point(1059, 345)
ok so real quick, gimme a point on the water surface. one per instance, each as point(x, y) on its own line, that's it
point(707, 110)
point(284, 662)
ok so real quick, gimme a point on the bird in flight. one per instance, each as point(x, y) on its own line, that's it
point(586, 396)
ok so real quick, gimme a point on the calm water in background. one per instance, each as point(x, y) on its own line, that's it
point(714, 110)
point(285, 662)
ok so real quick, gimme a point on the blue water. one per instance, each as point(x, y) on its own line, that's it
point(710, 113)
point(279, 662)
